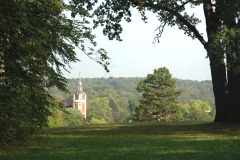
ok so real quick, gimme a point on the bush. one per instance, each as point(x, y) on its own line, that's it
point(66, 118)
point(98, 121)
point(196, 111)
point(73, 117)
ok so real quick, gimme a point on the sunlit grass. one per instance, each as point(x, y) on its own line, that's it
point(132, 141)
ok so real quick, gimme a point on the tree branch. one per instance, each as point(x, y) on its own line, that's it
point(160, 31)
point(188, 24)
point(191, 27)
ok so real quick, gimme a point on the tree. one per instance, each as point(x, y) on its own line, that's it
point(223, 35)
point(37, 41)
point(65, 118)
point(159, 96)
point(195, 111)
point(99, 110)
point(195, 90)
point(132, 105)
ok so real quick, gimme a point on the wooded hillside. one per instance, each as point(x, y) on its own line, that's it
point(119, 96)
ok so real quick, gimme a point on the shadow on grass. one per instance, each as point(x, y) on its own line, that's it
point(127, 148)
point(133, 141)
point(150, 129)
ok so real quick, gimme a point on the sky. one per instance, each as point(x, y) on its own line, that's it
point(137, 55)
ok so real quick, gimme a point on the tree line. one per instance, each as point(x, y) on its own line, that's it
point(114, 100)
point(190, 89)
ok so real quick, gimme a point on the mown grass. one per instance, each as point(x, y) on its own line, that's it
point(137, 141)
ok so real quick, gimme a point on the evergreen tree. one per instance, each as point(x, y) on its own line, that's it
point(159, 96)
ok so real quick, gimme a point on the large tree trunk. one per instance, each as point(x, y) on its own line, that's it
point(234, 95)
point(219, 82)
point(233, 72)
point(217, 63)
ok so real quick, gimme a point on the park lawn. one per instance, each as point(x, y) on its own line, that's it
point(135, 141)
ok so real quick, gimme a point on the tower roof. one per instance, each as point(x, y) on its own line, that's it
point(80, 83)
point(80, 93)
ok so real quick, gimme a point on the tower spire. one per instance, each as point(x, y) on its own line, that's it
point(80, 83)
point(79, 99)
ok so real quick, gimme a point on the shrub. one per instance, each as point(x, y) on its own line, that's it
point(64, 118)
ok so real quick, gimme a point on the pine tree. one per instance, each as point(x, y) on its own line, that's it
point(159, 96)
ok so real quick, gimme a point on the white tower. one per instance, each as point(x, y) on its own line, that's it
point(80, 99)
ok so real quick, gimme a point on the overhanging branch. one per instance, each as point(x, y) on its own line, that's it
point(183, 20)
point(188, 24)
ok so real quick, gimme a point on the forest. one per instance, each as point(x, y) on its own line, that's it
point(113, 100)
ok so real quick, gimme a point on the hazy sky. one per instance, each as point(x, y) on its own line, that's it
point(137, 56)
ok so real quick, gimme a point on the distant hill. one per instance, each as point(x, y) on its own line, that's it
point(190, 90)
point(116, 98)
point(195, 90)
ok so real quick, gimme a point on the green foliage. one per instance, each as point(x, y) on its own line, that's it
point(66, 118)
point(99, 111)
point(118, 91)
point(23, 113)
point(124, 98)
point(196, 111)
point(37, 41)
point(159, 96)
point(98, 121)
point(110, 13)
point(226, 42)
point(195, 90)
point(56, 119)
point(73, 117)
point(132, 105)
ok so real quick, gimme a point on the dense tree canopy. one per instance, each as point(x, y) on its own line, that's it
point(159, 96)
point(195, 111)
point(99, 110)
point(222, 42)
point(37, 40)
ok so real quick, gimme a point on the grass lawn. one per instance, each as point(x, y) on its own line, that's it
point(136, 141)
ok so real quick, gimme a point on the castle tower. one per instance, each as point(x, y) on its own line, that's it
point(80, 99)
